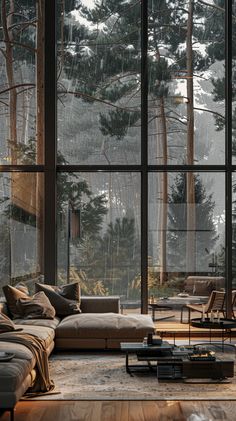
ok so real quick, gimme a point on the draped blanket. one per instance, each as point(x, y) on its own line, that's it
point(42, 383)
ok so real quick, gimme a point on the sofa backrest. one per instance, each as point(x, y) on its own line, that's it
point(110, 304)
point(203, 285)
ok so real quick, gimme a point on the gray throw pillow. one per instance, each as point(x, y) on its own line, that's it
point(13, 294)
point(36, 307)
point(63, 306)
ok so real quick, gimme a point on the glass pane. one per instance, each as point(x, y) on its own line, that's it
point(186, 235)
point(99, 83)
point(234, 230)
point(99, 234)
point(21, 227)
point(186, 82)
point(22, 82)
point(234, 83)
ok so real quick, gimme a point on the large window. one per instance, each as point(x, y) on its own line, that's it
point(117, 156)
point(99, 232)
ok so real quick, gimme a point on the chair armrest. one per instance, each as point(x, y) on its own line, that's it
point(100, 304)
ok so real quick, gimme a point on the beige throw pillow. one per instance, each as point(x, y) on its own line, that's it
point(36, 307)
point(13, 294)
point(6, 324)
point(62, 304)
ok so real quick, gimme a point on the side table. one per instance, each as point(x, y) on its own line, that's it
point(224, 325)
point(160, 307)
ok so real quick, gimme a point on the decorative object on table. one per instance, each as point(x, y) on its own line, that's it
point(149, 339)
point(202, 354)
point(203, 313)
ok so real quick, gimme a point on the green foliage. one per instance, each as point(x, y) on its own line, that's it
point(114, 92)
point(177, 226)
point(75, 192)
point(159, 75)
point(115, 258)
point(219, 89)
point(118, 122)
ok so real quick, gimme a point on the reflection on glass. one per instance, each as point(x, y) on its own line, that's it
point(99, 233)
point(186, 238)
point(21, 227)
point(99, 83)
point(186, 82)
point(21, 82)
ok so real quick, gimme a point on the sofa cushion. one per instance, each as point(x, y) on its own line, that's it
point(13, 294)
point(104, 326)
point(63, 306)
point(13, 373)
point(47, 334)
point(36, 307)
point(52, 323)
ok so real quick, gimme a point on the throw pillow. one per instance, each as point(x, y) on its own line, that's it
point(6, 324)
point(13, 294)
point(70, 291)
point(22, 287)
point(63, 306)
point(36, 307)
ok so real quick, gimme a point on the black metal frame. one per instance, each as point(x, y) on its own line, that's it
point(50, 169)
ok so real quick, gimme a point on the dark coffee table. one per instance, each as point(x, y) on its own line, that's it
point(169, 365)
point(138, 348)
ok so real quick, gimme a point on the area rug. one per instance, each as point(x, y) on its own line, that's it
point(102, 376)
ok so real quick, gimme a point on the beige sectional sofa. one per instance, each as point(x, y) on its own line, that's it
point(99, 326)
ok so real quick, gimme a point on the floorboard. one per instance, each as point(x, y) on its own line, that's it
point(124, 411)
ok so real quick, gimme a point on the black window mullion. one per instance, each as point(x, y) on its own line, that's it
point(50, 246)
point(228, 146)
point(144, 157)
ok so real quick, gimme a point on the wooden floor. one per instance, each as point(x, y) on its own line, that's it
point(170, 328)
point(124, 411)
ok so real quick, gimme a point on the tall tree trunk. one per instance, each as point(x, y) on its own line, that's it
point(164, 203)
point(40, 131)
point(191, 217)
point(7, 21)
point(164, 186)
point(62, 32)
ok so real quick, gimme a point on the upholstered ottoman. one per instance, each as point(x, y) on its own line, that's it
point(101, 330)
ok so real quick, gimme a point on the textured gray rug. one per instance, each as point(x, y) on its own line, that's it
point(102, 376)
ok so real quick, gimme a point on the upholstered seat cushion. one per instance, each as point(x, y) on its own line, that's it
point(14, 372)
point(104, 326)
point(52, 323)
point(16, 375)
point(47, 334)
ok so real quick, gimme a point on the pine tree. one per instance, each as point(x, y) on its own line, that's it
point(205, 232)
point(118, 257)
